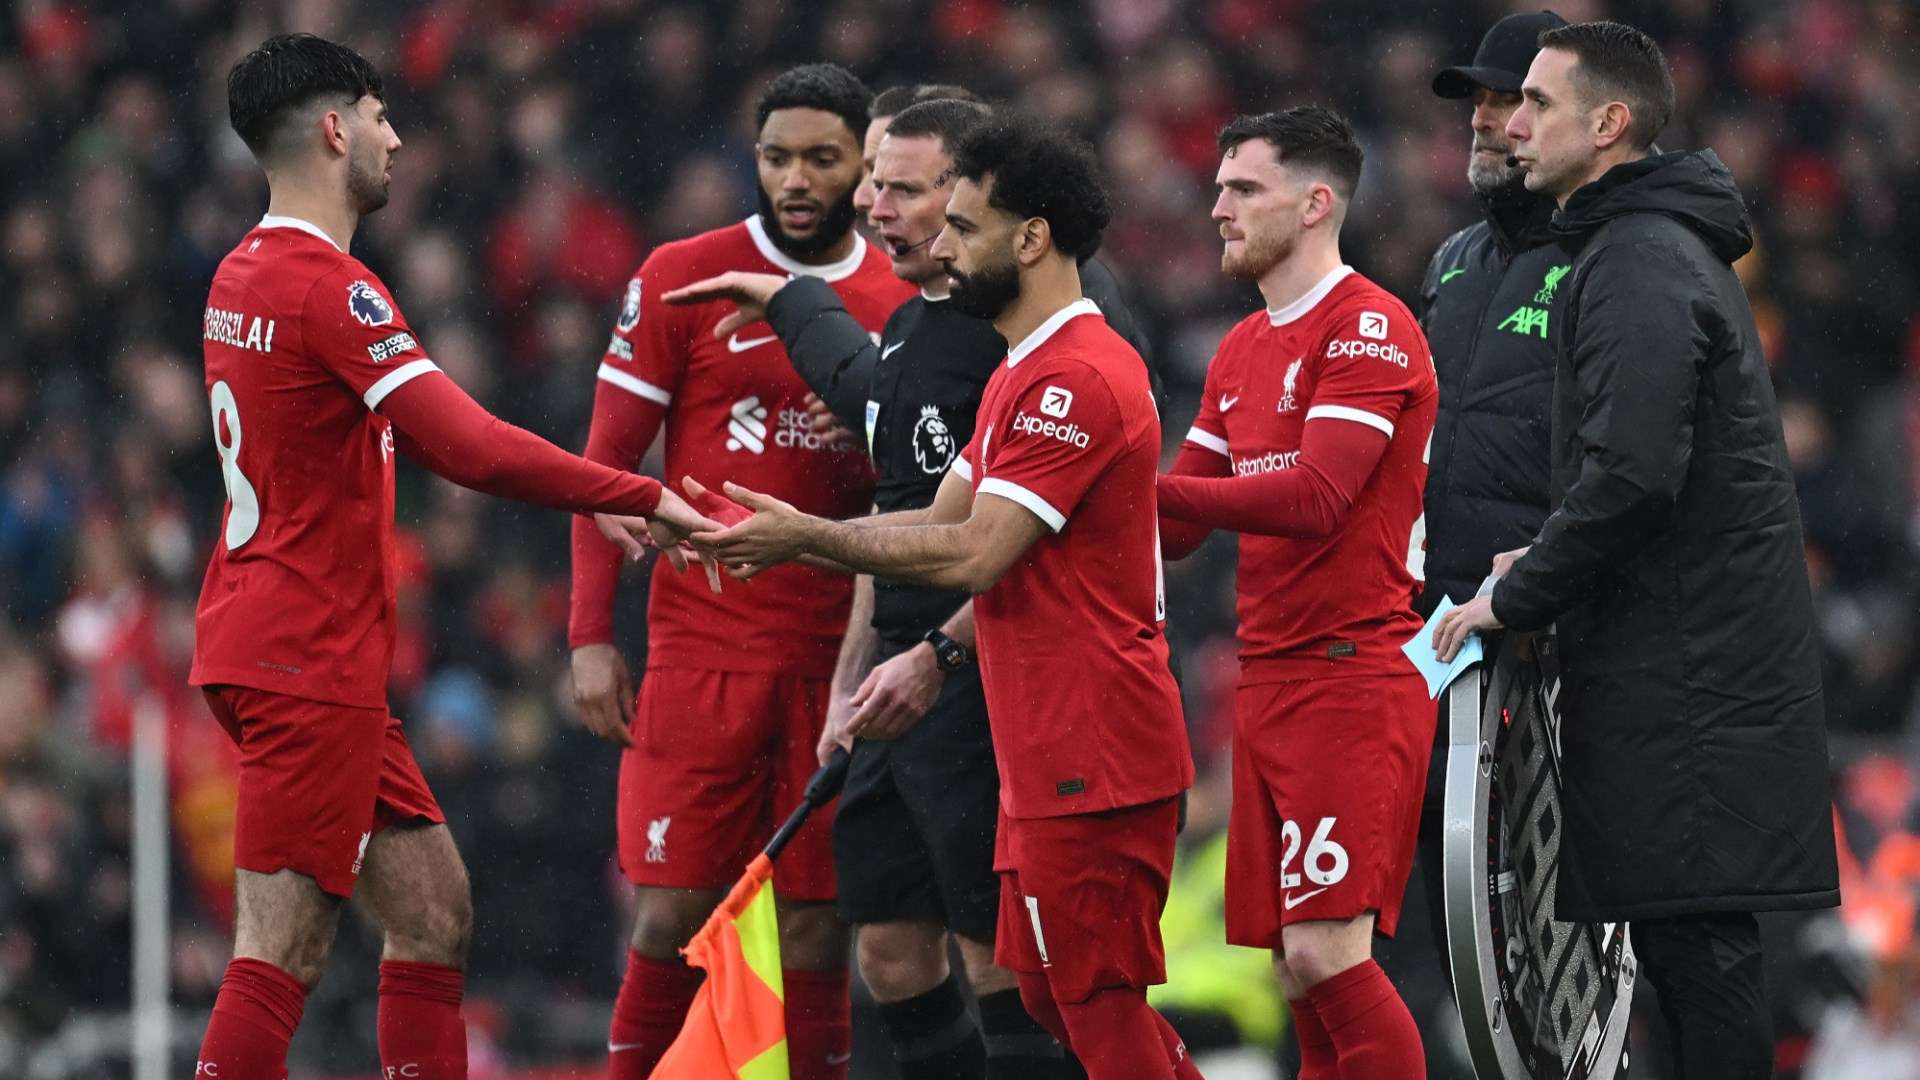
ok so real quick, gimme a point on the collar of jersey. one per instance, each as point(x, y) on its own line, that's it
point(829, 272)
point(281, 221)
point(1293, 311)
point(1045, 330)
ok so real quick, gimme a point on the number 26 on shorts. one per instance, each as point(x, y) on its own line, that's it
point(1325, 861)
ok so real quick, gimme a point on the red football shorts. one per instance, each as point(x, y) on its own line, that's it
point(1328, 775)
point(720, 758)
point(1081, 896)
point(316, 782)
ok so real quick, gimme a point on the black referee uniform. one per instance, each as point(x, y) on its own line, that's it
point(913, 838)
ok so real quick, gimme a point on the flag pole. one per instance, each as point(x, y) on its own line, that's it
point(826, 782)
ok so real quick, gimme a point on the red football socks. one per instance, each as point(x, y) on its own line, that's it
point(1037, 995)
point(819, 1024)
point(1114, 1033)
point(253, 1021)
point(1317, 1058)
point(421, 1032)
point(648, 1013)
point(1176, 1048)
point(1372, 1032)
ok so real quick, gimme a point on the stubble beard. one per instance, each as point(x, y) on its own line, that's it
point(1259, 253)
point(366, 189)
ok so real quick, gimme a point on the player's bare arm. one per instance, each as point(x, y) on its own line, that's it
point(969, 556)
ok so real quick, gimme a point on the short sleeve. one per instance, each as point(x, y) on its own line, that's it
point(1209, 430)
point(352, 327)
point(1372, 363)
point(1061, 434)
point(647, 354)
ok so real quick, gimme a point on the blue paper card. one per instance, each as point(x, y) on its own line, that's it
point(1420, 651)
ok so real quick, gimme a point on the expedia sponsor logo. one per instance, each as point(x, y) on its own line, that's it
point(1071, 434)
point(239, 330)
point(1391, 353)
point(620, 347)
point(387, 348)
point(1265, 463)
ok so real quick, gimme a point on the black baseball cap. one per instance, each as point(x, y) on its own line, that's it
point(1505, 54)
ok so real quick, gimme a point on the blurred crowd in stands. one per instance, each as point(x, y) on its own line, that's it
point(548, 145)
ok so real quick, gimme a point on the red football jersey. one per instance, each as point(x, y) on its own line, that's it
point(1346, 352)
point(734, 411)
point(1085, 713)
point(302, 343)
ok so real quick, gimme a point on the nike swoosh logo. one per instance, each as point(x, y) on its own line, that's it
point(616, 1048)
point(839, 1059)
point(891, 349)
point(734, 344)
point(1450, 275)
point(1292, 902)
point(1227, 402)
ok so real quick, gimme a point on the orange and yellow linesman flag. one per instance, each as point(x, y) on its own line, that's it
point(737, 1025)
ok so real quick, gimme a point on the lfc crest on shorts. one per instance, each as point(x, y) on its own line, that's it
point(1540, 999)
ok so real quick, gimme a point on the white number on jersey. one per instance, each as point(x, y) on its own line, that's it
point(1417, 542)
point(243, 503)
point(1159, 577)
point(1326, 861)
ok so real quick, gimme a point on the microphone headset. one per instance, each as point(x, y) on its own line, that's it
point(900, 252)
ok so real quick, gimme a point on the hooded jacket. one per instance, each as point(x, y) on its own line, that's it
point(1485, 308)
point(1693, 743)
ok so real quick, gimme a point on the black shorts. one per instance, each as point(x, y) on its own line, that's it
point(913, 837)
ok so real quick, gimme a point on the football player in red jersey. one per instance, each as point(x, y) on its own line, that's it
point(721, 738)
point(315, 380)
point(1041, 517)
point(1311, 442)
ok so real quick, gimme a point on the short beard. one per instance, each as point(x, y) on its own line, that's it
point(1258, 254)
point(1488, 179)
point(365, 190)
point(832, 228)
point(986, 292)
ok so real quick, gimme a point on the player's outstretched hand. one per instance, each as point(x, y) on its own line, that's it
point(822, 422)
point(773, 535)
point(665, 531)
point(603, 692)
point(1458, 623)
point(896, 695)
point(750, 294)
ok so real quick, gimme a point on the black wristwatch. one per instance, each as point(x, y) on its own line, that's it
point(948, 654)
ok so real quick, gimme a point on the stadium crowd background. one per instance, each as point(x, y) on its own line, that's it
point(548, 145)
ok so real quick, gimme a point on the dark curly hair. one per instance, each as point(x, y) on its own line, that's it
point(1310, 135)
point(1039, 171)
point(286, 74)
point(827, 87)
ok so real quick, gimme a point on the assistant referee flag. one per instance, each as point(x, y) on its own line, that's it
point(736, 1026)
